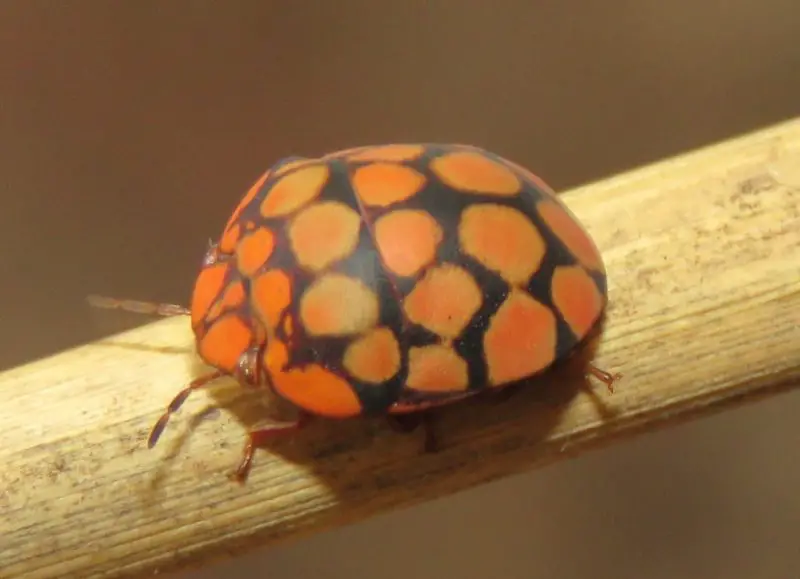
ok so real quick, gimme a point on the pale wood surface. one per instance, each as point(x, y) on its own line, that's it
point(703, 253)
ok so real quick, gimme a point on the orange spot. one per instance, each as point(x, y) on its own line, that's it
point(323, 234)
point(444, 300)
point(248, 197)
point(294, 190)
point(567, 228)
point(475, 173)
point(374, 357)
point(230, 238)
point(296, 164)
point(502, 239)
point(254, 250)
point(271, 294)
point(407, 240)
point(576, 296)
point(232, 298)
point(520, 340)
point(436, 368)
point(224, 343)
point(312, 387)
point(206, 290)
point(337, 305)
point(234, 295)
point(395, 153)
point(382, 184)
point(534, 179)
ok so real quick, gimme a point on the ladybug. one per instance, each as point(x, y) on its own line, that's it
point(388, 280)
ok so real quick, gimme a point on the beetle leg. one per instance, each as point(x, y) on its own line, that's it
point(500, 395)
point(408, 423)
point(605, 377)
point(177, 402)
point(403, 423)
point(260, 437)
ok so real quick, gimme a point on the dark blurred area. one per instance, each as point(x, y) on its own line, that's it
point(129, 130)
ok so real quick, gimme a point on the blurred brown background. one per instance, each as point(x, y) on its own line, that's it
point(130, 129)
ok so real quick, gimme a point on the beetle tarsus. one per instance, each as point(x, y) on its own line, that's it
point(605, 377)
point(176, 403)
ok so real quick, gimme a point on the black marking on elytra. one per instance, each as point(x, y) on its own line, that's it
point(600, 280)
point(469, 345)
point(252, 212)
point(362, 264)
point(365, 264)
point(540, 284)
point(231, 276)
point(420, 336)
point(285, 161)
point(446, 205)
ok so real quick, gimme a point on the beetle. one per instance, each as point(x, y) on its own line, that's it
point(387, 280)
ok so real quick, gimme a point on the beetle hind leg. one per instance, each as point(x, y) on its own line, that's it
point(408, 423)
point(260, 437)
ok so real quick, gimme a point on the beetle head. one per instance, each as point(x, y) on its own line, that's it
point(228, 336)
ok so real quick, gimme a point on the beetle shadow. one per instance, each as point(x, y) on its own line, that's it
point(352, 456)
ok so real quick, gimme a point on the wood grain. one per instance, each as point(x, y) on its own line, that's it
point(703, 253)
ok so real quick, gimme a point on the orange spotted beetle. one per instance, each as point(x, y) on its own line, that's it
point(387, 280)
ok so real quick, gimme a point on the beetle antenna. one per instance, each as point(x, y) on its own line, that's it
point(137, 307)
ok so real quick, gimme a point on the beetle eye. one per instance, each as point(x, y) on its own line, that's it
point(212, 254)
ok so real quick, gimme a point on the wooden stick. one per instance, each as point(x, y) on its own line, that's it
point(703, 254)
